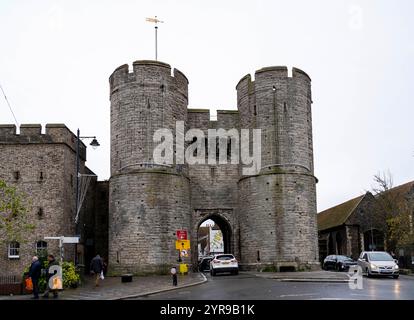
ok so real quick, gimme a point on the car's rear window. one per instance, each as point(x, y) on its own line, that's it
point(380, 256)
point(344, 258)
point(225, 257)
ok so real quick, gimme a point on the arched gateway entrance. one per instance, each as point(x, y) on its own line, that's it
point(213, 236)
point(214, 232)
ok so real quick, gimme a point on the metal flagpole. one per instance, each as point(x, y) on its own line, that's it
point(155, 20)
point(156, 43)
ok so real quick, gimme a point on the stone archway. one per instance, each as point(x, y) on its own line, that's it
point(225, 229)
point(224, 219)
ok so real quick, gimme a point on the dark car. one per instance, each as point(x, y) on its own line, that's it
point(204, 264)
point(338, 263)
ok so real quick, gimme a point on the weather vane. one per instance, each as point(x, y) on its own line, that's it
point(156, 21)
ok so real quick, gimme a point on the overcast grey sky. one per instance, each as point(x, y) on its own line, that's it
point(56, 57)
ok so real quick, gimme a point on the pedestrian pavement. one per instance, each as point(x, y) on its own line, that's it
point(303, 276)
point(111, 288)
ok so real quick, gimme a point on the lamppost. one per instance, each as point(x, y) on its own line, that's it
point(94, 143)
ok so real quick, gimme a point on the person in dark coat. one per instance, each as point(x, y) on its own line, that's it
point(34, 273)
point(51, 262)
point(96, 268)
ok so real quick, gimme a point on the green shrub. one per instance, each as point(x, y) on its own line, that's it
point(271, 268)
point(71, 277)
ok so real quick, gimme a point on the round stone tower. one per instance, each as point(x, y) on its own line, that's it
point(147, 202)
point(277, 207)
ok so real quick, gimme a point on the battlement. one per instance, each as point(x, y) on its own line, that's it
point(268, 73)
point(32, 134)
point(30, 129)
point(200, 118)
point(7, 129)
point(148, 72)
point(298, 73)
point(280, 71)
point(227, 119)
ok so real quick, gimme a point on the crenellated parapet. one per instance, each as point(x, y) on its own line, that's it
point(32, 134)
point(149, 73)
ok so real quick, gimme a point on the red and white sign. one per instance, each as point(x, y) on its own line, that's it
point(182, 234)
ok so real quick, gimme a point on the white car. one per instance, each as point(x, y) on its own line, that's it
point(378, 263)
point(224, 263)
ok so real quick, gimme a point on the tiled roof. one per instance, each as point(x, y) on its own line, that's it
point(337, 215)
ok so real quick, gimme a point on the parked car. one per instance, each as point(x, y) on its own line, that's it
point(204, 264)
point(378, 263)
point(338, 263)
point(224, 263)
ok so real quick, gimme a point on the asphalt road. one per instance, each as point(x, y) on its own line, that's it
point(249, 287)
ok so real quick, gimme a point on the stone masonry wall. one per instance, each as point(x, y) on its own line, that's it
point(146, 209)
point(214, 191)
point(271, 217)
point(147, 203)
point(278, 206)
point(46, 166)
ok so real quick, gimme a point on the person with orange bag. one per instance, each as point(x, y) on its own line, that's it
point(51, 262)
point(34, 273)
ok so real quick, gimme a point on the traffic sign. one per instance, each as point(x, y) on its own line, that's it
point(70, 239)
point(182, 244)
point(182, 234)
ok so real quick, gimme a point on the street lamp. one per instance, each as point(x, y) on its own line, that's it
point(94, 143)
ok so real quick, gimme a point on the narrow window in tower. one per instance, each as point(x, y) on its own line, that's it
point(254, 110)
point(212, 171)
point(217, 149)
point(229, 149)
point(16, 175)
point(206, 146)
point(148, 104)
point(41, 176)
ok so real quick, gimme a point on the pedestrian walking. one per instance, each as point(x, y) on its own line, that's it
point(34, 273)
point(97, 269)
point(51, 262)
point(174, 276)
